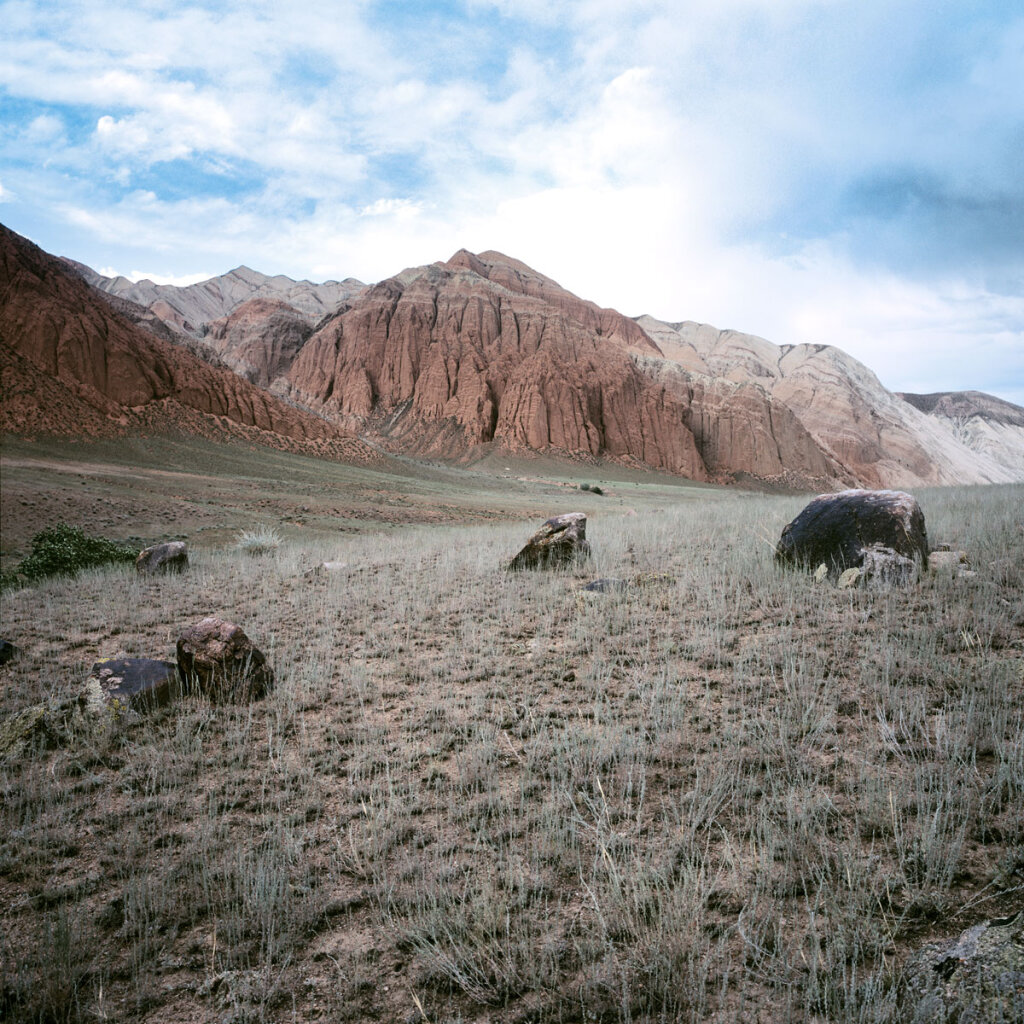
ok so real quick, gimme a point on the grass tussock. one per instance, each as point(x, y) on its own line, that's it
point(736, 795)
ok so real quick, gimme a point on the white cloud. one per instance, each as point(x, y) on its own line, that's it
point(650, 156)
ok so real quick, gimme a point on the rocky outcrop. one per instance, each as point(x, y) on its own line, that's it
point(881, 533)
point(560, 542)
point(260, 339)
point(218, 659)
point(52, 320)
point(165, 558)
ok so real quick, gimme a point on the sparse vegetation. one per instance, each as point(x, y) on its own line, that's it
point(474, 795)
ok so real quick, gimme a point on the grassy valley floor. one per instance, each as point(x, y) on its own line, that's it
point(731, 794)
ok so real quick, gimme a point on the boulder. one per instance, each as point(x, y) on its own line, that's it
point(561, 541)
point(976, 978)
point(882, 532)
point(218, 659)
point(163, 558)
point(8, 651)
point(119, 685)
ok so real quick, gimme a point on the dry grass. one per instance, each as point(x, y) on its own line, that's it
point(473, 796)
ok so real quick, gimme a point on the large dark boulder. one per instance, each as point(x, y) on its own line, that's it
point(118, 685)
point(561, 541)
point(976, 978)
point(163, 558)
point(873, 530)
point(218, 659)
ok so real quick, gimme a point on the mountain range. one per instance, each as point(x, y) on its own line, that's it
point(475, 354)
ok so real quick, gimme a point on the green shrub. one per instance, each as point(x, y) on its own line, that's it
point(584, 487)
point(596, 490)
point(64, 550)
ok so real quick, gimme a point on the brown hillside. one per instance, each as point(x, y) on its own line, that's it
point(59, 327)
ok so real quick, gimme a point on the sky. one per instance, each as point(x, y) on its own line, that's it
point(811, 171)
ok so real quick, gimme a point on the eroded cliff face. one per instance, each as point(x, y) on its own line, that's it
point(482, 349)
point(51, 318)
point(465, 353)
point(260, 339)
point(872, 436)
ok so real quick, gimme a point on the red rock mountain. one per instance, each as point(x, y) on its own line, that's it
point(73, 364)
point(482, 349)
point(475, 353)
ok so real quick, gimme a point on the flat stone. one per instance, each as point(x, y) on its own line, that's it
point(120, 685)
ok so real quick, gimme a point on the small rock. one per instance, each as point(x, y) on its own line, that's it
point(948, 562)
point(29, 727)
point(8, 651)
point(119, 685)
point(163, 558)
point(220, 660)
point(561, 541)
point(821, 572)
point(883, 566)
point(976, 978)
point(849, 578)
point(324, 568)
point(605, 585)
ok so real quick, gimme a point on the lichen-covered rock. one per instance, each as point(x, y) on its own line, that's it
point(561, 541)
point(218, 659)
point(976, 978)
point(41, 726)
point(117, 686)
point(882, 532)
point(163, 558)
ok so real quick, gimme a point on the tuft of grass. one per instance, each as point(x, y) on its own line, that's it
point(263, 540)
